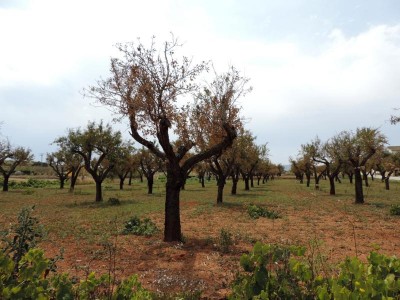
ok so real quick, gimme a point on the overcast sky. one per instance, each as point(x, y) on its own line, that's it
point(317, 67)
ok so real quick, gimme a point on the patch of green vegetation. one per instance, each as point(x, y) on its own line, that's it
point(32, 183)
point(395, 210)
point(137, 226)
point(225, 240)
point(283, 272)
point(256, 212)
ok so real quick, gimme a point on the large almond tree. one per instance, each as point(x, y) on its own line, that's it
point(154, 89)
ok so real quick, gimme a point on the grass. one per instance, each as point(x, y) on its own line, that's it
point(77, 223)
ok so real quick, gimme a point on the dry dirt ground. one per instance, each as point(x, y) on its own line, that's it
point(331, 227)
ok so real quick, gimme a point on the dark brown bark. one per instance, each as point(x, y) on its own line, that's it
point(62, 181)
point(387, 183)
point(150, 183)
point(74, 177)
point(99, 192)
point(220, 195)
point(365, 177)
point(308, 177)
point(234, 187)
point(246, 184)
point(130, 178)
point(5, 182)
point(358, 186)
point(172, 225)
point(332, 190)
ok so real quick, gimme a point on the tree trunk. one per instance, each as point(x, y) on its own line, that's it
point(121, 182)
point(358, 186)
point(332, 184)
point(308, 176)
point(387, 183)
point(317, 182)
point(62, 180)
point(251, 181)
point(150, 182)
point(5, 183)
point(234, 186)
point(221, 185)
point(99, 193)
point(258, 180)
point(130, 178)
point(246, 184)
point(365, 177)
point(351, 178)
point(202, 182)
point(172, 225)
point(74, 178)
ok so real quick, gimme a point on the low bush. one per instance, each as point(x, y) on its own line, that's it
point(395, 210)
point(140, 227)
point(256, 212)
point(225, 241)
point(114, 201)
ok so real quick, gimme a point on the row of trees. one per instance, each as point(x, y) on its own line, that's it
point(357, 154)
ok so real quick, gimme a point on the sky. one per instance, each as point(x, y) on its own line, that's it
point(317, 67)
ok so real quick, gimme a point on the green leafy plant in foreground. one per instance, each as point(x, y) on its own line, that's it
point(34, 282)
point(137, 226)
point(256, 212)
point(275, 272)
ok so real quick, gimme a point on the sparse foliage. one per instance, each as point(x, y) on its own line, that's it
point(147, 86)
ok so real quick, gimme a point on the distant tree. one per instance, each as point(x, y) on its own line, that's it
point(313, 152)
point(297, 168)
point(18, 156)
point(97, 144)
point(331, 155)
point(5, 151)
point(201, 169)
point(387, 163)
point(358, 148)
point(123, 162)
point(249, 156)
point(145, 85)
point(57, 161)
point(73, 162)
point(150, 165)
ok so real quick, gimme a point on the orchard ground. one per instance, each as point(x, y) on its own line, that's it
point(331, 227)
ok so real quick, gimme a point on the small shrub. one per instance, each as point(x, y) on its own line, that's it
point(140, 227)
point(22, 237)
point(256, 212)
point(114, 201)
point(225, 241)
point(395, 210)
